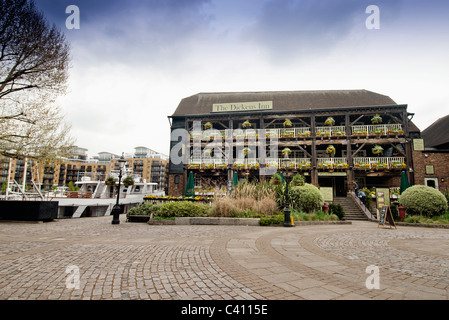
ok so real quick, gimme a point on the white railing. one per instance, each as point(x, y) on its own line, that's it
point(378, 129)
point(332, 163)
point(252, 163)
point(325, 131)
point(379, 162)
point(329, 131)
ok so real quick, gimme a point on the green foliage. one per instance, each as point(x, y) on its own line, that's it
point(144, 209)
point(273, 219)
point(128, 181)
point(423, 200)
point(443, 219)
point(298, 180)
point(183, 209)
point(306, 198)
point(71, 187)
point(337, 209)
point(315, 216)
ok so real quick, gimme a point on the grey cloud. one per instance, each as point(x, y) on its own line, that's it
point(289, 28)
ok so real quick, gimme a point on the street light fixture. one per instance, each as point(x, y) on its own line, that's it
point(116, 210)
point(287, 216)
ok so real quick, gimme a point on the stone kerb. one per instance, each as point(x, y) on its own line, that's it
point(216, 221)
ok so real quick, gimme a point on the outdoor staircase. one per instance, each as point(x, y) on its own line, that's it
point(352, 211)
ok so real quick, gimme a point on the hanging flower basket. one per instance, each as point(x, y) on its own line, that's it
point(286, 152)
point(330, 149)
point(246, 151)
point(110, 181)
point(377, 149)
point(207, 125)
point(287, 123)
point(376, 119)
point(207, 152)
point(128, 181)
point(330, 121)
point(246, 124)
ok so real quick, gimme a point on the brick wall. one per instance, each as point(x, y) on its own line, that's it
point(176, 189)
point(440, 162)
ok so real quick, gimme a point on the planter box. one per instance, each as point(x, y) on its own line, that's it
point(28, 210)
point(137, 218)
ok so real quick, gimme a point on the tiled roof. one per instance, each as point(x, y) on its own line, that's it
point(201, 103)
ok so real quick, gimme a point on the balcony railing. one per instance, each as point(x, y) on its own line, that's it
point(379, 163)
point(360, 163)
point(301, 132)
point(332, 163)
point(252, 164)
point(378, 129)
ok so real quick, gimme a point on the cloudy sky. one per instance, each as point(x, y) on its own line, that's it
point(133, 61)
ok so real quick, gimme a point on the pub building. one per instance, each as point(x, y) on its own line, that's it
point(332, 137)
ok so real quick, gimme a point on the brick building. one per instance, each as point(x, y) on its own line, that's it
point(431, 156)
point(332, 137)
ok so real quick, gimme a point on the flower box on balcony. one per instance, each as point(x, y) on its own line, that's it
point(287, 135)
point(254, 166)
point(193, 166)
point(338, 133)
point(221, 166)
point(340, 165)
point(304, 134)
point(271, 134)
point(272, 165)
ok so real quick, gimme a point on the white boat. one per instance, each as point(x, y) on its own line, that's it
point(95, 198)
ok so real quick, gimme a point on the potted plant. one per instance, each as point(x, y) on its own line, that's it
point(376, 119)
point(110, 181)
point(330, 150)
point(287, 123)
point(286, 152)
point(128, 181)
point(377, 150)
point(246, 124)
point(207, 152)
point(207, 125)
point(329, 121)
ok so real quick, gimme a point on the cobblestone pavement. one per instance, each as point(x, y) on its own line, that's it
point(139, 261)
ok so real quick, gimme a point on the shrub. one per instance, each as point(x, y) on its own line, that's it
point(143, 209)
point(421, 200)
point(306, 198)
point(243, 206)
point(337, 209)
point(273, 219)
point(183, 209)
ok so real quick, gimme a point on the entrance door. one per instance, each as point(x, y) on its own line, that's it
point(431, 182)
point(340, 184)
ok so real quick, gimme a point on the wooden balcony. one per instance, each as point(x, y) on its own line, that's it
point(379, 163)
point(250, 164)
point(332, 163)
point(325, 132)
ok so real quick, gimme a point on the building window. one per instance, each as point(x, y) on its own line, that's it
point(176, 179)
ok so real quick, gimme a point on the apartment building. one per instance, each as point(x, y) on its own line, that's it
point(146, 163)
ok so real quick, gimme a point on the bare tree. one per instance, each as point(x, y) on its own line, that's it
point(34, 63)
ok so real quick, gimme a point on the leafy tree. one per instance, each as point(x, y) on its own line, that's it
point(34, 63)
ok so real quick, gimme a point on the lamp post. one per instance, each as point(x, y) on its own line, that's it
point(287, 217)
point(116, 210)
